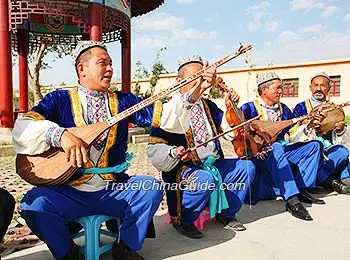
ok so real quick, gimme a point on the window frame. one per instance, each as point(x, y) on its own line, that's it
point(335, 88)
point(295, 88)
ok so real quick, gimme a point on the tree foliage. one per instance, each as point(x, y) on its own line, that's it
point(158, 68)
point(41, 58)
point(40, 63)
point(141, 72)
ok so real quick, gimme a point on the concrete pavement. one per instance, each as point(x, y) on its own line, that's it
point(271, 234)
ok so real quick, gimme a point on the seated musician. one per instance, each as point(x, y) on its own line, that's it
point(189, 120)
point(335, 167)
point(285, 171)
point(47, 210)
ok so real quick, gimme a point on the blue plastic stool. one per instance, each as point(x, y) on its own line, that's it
point(92, 231)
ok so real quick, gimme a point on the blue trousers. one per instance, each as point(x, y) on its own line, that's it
point(286, 170)
point(237, 174)
point(336, 165)
point(48, 209)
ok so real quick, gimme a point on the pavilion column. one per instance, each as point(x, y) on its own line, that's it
point(6, 88)
point(22, 36)
point(126, 60)
point(95, 21)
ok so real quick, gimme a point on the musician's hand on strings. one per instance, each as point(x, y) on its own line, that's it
point(183, 154)
point(339, 127)
point(74, 148)
point(208, 77)
point(231, 96)
point(204, 82)
point(263, 153)
point(318, 118)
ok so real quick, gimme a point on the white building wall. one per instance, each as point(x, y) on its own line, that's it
point(244, 80)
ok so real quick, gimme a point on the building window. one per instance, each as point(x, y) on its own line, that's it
point(290, 87)
point(335, 86)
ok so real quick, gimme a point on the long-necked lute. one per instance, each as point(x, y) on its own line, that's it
point(275, 128)
point(51, 167)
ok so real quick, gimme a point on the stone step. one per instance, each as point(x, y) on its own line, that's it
point(141, 138)
point(135, 131)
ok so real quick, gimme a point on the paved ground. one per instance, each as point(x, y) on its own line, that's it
point(272, 233)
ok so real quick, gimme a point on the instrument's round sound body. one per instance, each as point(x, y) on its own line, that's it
point(46, 169)
point(334, 114)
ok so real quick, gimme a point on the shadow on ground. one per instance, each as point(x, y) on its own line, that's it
point(269, 208)
point(169, 243)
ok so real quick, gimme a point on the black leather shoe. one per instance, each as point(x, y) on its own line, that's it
point(298, 211)
point(337, 186)
point(120, 251)
point(188, 230)
point(306, 197)
point(230, 224)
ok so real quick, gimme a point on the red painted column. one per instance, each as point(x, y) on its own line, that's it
point(6, 88)
point(22, 36)
point(95, 21)
point(126, 60)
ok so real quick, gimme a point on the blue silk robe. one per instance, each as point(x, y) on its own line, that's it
point(286, 168)
point(337, 163)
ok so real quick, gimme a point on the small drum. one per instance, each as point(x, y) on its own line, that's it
point(335, 114)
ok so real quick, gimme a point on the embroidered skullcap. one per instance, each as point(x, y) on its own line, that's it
point(266, 77)
point(83, 46)
point(320, 74)
point(186, 60)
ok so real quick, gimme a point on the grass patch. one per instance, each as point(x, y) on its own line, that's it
point(137, 149)
point(7, 162)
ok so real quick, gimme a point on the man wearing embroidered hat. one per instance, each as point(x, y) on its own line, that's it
point(287, 170)
point(47, 210)
point(188, 120)
point(335, 168)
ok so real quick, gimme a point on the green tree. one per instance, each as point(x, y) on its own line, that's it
point(39, 59)
point(39, 62)
point(136, 90)
point(158, 68)
point(140, 73)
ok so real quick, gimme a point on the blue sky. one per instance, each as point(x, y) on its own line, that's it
point(280, 31)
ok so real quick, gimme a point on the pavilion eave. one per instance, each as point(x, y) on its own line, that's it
point(140, 7)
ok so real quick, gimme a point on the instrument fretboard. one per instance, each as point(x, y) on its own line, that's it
point(149, 101)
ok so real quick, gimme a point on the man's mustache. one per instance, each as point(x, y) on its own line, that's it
point(319, 92)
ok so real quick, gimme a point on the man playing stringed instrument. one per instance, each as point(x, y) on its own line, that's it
point(286, 171)
point(187, 121)
point(335, 166)
point(47, 210)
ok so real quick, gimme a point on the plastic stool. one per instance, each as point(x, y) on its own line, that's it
point(200, 221)
point(92, 231)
